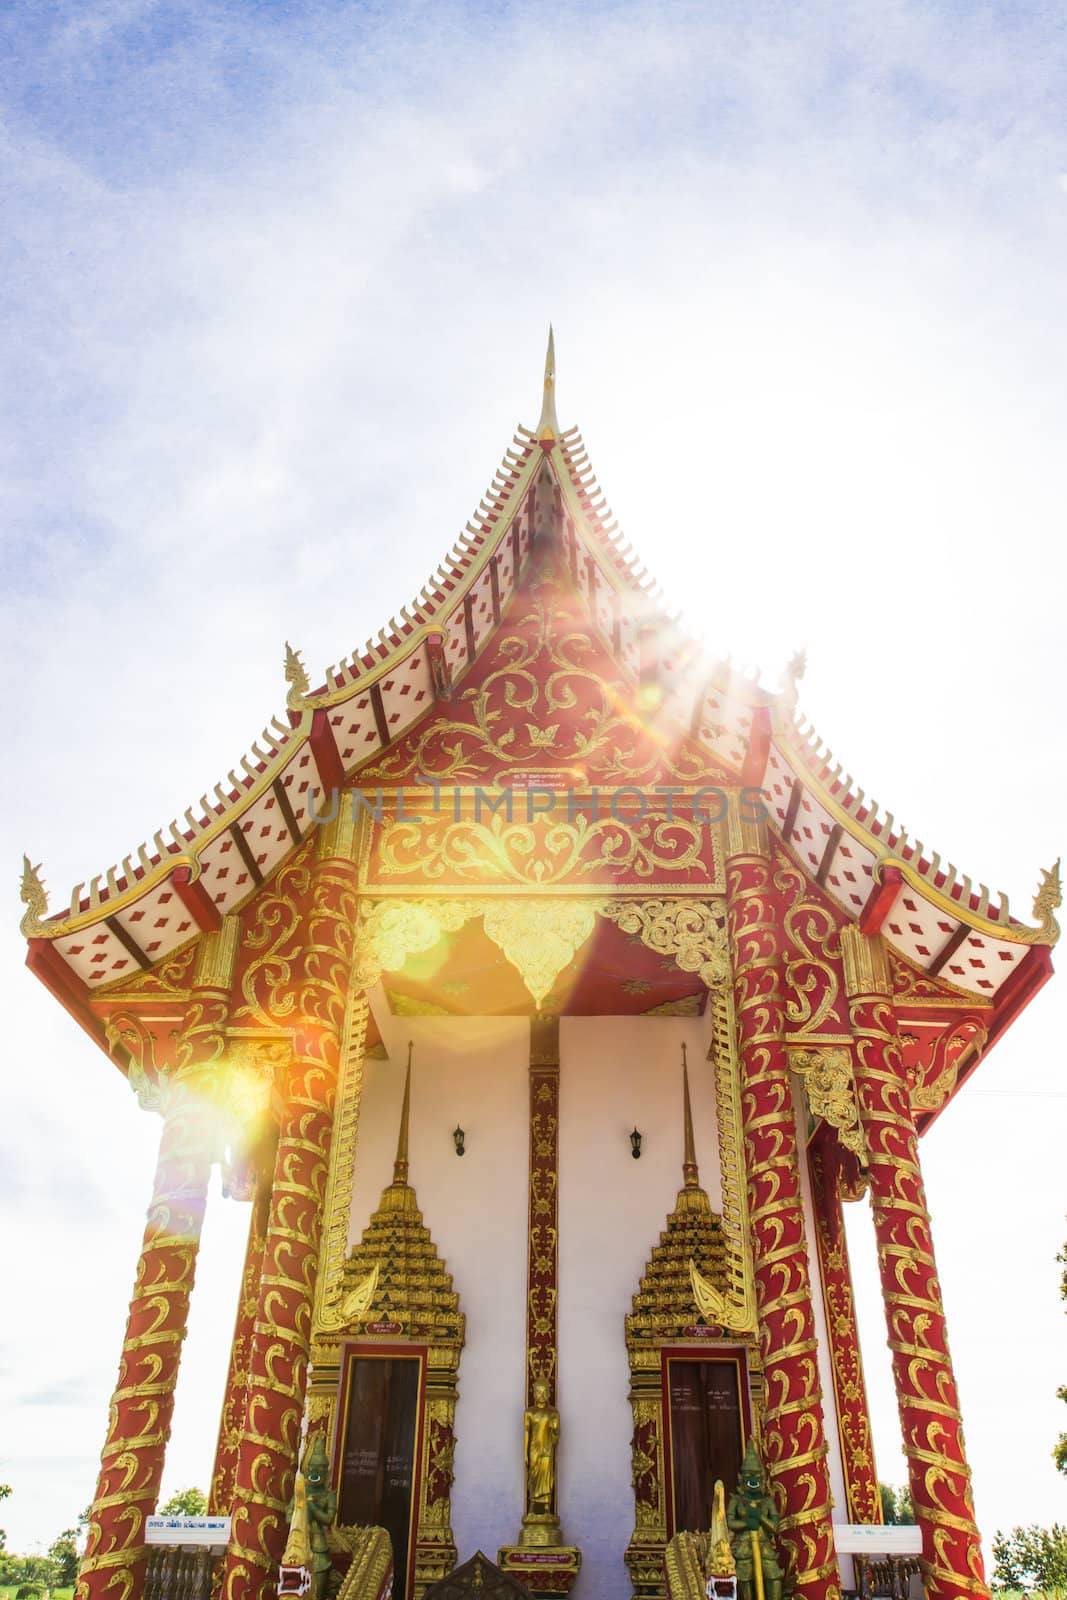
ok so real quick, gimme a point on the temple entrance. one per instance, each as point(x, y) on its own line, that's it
point(707, 1422)
point(380, 1422)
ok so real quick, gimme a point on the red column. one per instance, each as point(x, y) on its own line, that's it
point(850, 1390)
point(131, 1464)
point(235, 1397)
point(938, 1473)
point(313, 1002)
point(794, 1441)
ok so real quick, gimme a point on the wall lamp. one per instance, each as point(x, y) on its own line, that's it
point(458, 1137)
point(635, 1145)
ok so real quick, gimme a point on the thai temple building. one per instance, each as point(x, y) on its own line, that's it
point(546, 994)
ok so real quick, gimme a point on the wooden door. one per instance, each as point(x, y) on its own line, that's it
point(379, 1452)
point(707, 1435)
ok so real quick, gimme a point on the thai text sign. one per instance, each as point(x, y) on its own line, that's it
point(187, 1530)
point(874, 1539)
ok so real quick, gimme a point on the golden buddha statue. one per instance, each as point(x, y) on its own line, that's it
point(540, 1437)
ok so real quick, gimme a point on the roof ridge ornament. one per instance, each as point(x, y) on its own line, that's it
point(548, 427)
point(297, 678)
point(34, 897)
point(1047, 900)
point(795, 669)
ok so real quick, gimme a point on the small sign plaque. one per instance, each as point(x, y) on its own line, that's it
point(187, 1530)
point(876, 1539)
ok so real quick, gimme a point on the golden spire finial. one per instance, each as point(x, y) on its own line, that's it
point(689, 1160)
point(548, 427)
point(400, 1165)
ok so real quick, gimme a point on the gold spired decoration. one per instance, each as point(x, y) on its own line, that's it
point(394, 1280)
point(690, 1264)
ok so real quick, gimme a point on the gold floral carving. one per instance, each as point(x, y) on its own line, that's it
point(137, 1040)
point(539, 937)
point(253, 1070)
point(691, 932)
point(548, 696)
point(831, 1089)
point(391, 930)
point(952, 1052)
point(542, 852)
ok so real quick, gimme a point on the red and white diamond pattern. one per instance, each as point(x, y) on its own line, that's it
point(159, 922)
point(303, 786)
point(850, 878)
point(982, 963)
point(354, 729)
point(407, 692)
point(97, 956)
point(725, 726)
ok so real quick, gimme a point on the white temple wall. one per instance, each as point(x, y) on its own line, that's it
point(475, 1072)
point(615, 1072)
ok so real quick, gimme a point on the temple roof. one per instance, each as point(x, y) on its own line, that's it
point(228, 843)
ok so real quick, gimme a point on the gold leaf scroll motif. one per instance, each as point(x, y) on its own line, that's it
point(827, 1077)
point(692, 932)
point(542, 853)
point(394, 929)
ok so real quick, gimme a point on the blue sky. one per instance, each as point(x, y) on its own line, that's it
point(274, 291)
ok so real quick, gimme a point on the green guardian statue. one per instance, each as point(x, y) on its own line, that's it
point(752, 1518)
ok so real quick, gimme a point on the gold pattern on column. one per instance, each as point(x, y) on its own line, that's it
point(938, 1473)
point(828, 1083)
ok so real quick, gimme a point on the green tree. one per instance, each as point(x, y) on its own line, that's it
point(64, 1552)
point(186, 1503)
point(1031, 1558)
point(5, 1490)
point(896, 1504)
